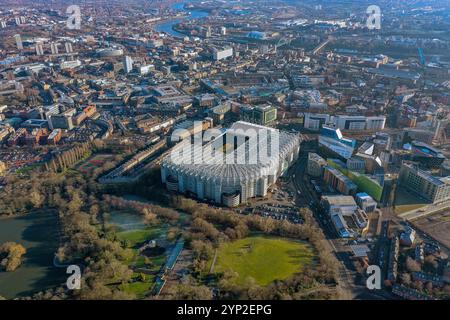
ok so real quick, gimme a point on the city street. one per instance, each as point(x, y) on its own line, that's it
point(306, 196)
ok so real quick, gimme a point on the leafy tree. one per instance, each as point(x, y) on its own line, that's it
point(11, 255)
point(412, 265)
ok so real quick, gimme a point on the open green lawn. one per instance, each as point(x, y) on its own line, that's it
point(135, 237)
point(139, 288)
point(264, 258)
point(130, 227)
point(139, 236)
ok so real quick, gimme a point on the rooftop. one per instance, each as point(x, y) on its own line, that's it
point(339, 200)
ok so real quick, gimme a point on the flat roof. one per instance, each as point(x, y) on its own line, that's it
point(360, 250)
point(340, 200)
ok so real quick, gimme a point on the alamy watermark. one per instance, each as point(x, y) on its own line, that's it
point(74, 20)
point(374, 19)
point(373, 282)
point(74, 280)
point(247, 146)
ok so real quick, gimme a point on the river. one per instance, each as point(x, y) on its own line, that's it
point(167, 26)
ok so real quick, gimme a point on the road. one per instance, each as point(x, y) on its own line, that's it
point(321, 46)
point(425, 211)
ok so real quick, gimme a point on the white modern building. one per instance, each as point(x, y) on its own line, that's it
point(143, 70)
point(211, 175)
point(70, 64)
point(127, 64)
point(109, 52)
point(315, 121)
point(68, 47)
point(356, 123)
point(332, 139)
point(19, 43)
point(222, 54)
point(39, 49)
point(54, 48)
point(356, 164)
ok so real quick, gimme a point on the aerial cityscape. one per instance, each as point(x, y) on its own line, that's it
point(225, 150)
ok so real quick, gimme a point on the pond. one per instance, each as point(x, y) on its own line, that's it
point(126, 220)
point(37, 232)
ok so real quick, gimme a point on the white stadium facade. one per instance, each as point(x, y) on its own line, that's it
point(231, 166)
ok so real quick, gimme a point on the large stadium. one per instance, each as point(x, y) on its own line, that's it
point(233, 166)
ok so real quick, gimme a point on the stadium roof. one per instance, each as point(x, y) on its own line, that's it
point(216, 167)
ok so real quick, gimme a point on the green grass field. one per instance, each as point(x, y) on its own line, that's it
point(135, 237)
point(139, 288)
point(264, 258)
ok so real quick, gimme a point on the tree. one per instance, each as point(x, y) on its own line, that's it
point(405, 278)
point(76, 202)
point(141, 277)
point(36, 199)
point(430, 263)
point(11, 255)
point(203, 251)
point(204, 227)
point(190, 290)
point(94, 210)
point(446, 290)
point(227, 281)
point(429, 287)
point(412, 265)
point(149, 217)
point(172, 234)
